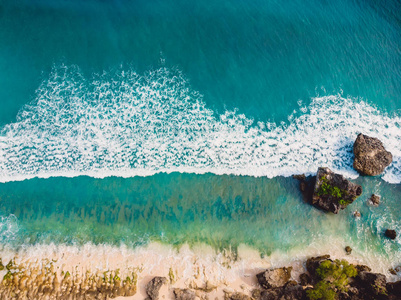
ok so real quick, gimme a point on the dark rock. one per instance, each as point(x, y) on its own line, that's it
point(391, 234)
point(271, 294)
point(300, 177)
point(314, 262)
point(293, 292)
point(397, 269)
point(305, 279)
point(370, 156)
point(362, 268)
point(348, 249)
point(153, 287)
point(333, 192)
point(372, 283)
point(392, 271)
point(184, 294)
point(374, 200)
point(356, 214)
point(394, 288)
point(289, 292)
point(274, 277)
point(303, 186)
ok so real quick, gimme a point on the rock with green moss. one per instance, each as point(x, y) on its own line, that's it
point(333, 192)
point(333, 279)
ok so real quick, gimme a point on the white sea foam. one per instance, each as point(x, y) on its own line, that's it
point(130, 124)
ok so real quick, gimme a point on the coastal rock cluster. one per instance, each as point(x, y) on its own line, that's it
point(332, 192)
point(327, 279)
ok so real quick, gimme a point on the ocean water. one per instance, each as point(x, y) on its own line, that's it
point(128, 122)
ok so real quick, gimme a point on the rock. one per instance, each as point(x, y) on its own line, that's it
point(314, 262)
point(348, 249)
point(153, 287)
point(274, 277)
point(374, 200)
point(397, 269)
point(394, 288)
point(392, 271)
point(300, 177)
point(362, 268)
point(370, 156)
point(356, 214)
point(305, 279)
point(303, 186)
point(391, 234)
point(293, 292)
point(373, 283)
point(333, 192)
point(184, 294)
point(237, 296)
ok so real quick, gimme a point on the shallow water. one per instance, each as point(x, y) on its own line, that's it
point(233, 95)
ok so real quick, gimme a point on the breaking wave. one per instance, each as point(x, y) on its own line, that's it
point(129, 124)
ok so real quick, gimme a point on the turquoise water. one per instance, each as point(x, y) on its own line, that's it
point(181, 121)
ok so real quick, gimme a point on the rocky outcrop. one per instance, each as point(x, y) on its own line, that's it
point(274, 277)
point(371, 285)
point(333, 192)
point(390, 233)
point(153, 287)
point(184, 294)
point(291, 291)
point(370, 156)
point(374, 200)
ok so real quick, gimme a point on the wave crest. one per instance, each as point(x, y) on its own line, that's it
point(130, 124)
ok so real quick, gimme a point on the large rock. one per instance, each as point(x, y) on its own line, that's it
point(314, 262)
point(372, 284)
point(333, 192)
point(153, 287)
point(274, 277)
point(370, 156)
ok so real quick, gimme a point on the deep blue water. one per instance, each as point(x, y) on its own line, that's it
point(232, 94)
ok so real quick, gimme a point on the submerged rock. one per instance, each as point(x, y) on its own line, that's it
point(348, 249)
point(371, 158)
point(274, 277)
point(333, 192)
point(374, 200)
point(153, 287)
point(391, 234)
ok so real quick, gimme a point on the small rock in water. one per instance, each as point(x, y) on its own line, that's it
point(391, 234)
point(371, 158)
point(357, 214)
point(348, 249)
point(392, 271)
point(374, 200)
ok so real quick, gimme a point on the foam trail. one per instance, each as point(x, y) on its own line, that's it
point(129, 124)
